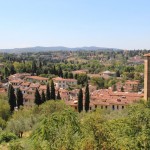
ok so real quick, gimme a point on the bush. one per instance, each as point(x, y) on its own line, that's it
point(7, 136)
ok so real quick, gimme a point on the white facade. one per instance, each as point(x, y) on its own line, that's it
point(64, 83)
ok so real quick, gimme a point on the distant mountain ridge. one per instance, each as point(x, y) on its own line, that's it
point(57, 48)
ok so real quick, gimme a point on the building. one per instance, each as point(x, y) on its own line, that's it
point(34, 79)
point(64, 83)
point(147, 76)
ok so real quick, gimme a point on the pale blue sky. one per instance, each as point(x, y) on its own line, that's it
point(73, 23)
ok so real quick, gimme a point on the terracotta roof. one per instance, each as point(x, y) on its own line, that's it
point(34, 85)
point(42, 87)
point(36, 78)
point(16, 81)
point(62, 79)
point(25, 83)
point(147, 55)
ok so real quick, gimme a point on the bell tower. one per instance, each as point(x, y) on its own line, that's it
point(147, 76)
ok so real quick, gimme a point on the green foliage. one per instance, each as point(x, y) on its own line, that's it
point(43, 98)
point(87, 98)
point(80, 101)
point(11, 98)
point(16, 146)
point(37, 99)
point(48, 94)
point(82, 79)
point(52, 90)
point(21, 121)
point(99, 82)
point(7, 136)
point(58, 131)
point(58, 96)
point(4, 109)
point(19, 98)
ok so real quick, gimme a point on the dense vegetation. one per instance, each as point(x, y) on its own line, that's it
point(57, 126)
point(53, 125)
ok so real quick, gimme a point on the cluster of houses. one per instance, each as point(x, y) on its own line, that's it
point(102, 98)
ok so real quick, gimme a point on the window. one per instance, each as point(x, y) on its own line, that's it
point(122, 107)
point(113, 107)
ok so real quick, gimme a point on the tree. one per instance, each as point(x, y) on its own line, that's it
point(11, 98)
point(60, 73)
point(37, 99)
point(19, 98)
point(66, 75)
point(58, 96)
point(80, 101)
point(117, 73)
point(76, 76)
point(52, 90)
point(43, 97)
point(34, 68)
point(122, 89)
point(48, 94)
point(70, 75)
point(6, 72)
point(87, 97)
point(82, 78)
point(12, 69)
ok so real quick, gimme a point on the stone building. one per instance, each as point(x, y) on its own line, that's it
point(147, 76)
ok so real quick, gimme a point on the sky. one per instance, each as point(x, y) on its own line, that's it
point(121, 24)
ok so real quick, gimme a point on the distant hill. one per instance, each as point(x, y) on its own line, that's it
point(57, 48)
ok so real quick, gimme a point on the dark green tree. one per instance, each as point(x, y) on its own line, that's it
point(60, 73)
point(19, 98)
point(34, 67)
point(37, 99)
point(117, 73)
point(76, 76)
point(43, 97)
point(58, 96)
point(87, 97)
point(66, 75)
point(48, 94)
point(122, 89)
point(52, 90)
point(80, 101)
point(12, 69)
point(70, 75)
point(11, 98)
point(6, 72)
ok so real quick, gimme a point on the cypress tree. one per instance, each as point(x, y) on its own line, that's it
point(48, 94)
point(52, 90)
point(60, 73)
point(80, 101)
point(34, 68)
point(6, 72)
point(19, 98)
point(12, 69)
point(58, 96)
point(11, 98)
point(43, 97)
point(76, 76)
point(70, 75)
point(87, 97)
point(66, 75)
point(37, 99)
